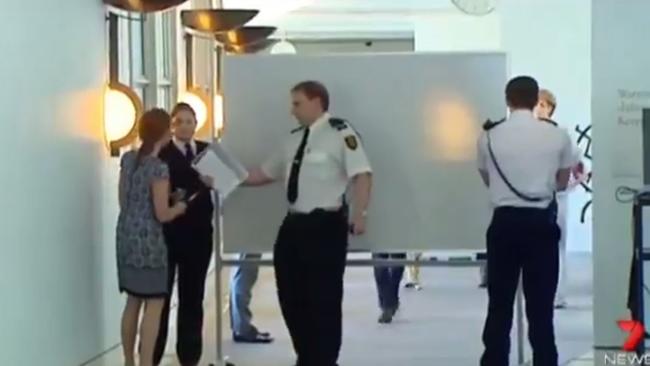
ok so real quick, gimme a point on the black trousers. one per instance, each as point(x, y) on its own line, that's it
point(388, 280)
point(189, 256)
point(309, 261)
point(521, 241)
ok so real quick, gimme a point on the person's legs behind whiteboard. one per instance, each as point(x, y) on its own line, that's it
point(562, 221)
point(244, 278)
point(388, 279)
point(413, 273)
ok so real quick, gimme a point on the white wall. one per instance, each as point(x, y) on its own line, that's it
point(620, 62)
point(452, 31)
point(59, 302)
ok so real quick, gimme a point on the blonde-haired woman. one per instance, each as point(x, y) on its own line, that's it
point(544, 110)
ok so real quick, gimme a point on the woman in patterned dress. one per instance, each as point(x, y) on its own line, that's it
point(141, 251)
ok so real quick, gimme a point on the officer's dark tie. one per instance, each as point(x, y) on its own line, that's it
point(292, 191)
point(189, 153)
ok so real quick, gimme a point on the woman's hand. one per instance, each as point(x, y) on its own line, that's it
point(180, 208)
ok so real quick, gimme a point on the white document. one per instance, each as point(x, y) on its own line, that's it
point(226, 171)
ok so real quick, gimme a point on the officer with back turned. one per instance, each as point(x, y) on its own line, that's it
point(523, 163)
point(318, 161)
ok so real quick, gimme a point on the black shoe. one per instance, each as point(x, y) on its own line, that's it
point(395, 309)
point(386, 316)
point(260, 337)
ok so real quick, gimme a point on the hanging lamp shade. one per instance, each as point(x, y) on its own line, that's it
point(216, 20)
point(244, 36)
point(250, 48)
point(144, 6)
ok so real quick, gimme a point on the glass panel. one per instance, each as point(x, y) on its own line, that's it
point(124, 54)
point(140, 90)
point(167, 49)
point(164, 98)
point(137, 44)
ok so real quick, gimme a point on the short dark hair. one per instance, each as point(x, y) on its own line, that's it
point(314, 89)
point(522, 92)
point(182, 106)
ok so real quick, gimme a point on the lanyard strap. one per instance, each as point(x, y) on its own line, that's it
point(505, 180)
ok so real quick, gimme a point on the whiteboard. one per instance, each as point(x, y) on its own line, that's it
point(419, 116)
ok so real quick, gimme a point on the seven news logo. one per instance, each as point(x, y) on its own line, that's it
point(636, 334)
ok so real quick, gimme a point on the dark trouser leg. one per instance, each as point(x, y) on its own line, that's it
point(540, 279)
point(396, 274)
point(503, 268)
point(192, 270)
point(288, 282)
point(161, 340)
point(383, 282)
point(324, 267)
point(388, 280)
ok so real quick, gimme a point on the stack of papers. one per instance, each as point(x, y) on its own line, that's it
point(228, 173)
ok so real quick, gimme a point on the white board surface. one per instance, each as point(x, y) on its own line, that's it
point(419, 116)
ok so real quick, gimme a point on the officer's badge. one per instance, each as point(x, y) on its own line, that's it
point(351, 142)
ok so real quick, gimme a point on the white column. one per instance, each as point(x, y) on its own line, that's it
point(620, 68)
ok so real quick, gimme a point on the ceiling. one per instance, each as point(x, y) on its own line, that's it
point(313, 17)
point(283, 7)
point(376, 5)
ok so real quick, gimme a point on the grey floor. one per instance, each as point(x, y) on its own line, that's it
point(440, 325)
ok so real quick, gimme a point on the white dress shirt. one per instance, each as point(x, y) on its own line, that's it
point(332, 157)
point(180, 145)
point(530, 153)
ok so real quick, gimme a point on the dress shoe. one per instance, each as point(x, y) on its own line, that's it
point(260, 337)
point(386, 316)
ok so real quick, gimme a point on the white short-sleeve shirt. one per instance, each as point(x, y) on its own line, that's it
point(529, 153)
point(333, 155)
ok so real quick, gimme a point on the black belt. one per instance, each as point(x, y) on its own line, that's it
point(546, 212)
point(317, 211)
point(520, 208)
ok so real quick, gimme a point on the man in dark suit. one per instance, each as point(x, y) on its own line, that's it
point(189, 238)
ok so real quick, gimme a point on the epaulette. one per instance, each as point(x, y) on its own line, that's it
point(297, 129)
point(338, 123)
point(488, 125)
point(548, 120)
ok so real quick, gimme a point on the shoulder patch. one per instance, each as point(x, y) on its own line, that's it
point(297, 129)
point(351, 142)
point(338, 123)
point(488, 125)
point(548, 120)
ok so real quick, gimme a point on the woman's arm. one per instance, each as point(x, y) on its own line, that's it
point(163, 211)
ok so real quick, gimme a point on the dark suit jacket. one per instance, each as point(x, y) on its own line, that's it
point(198, 217)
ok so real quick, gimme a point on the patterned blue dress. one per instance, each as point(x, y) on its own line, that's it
point(141, 249)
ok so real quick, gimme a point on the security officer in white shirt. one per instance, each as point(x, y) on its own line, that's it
point(522, 162)
point(318, 161)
